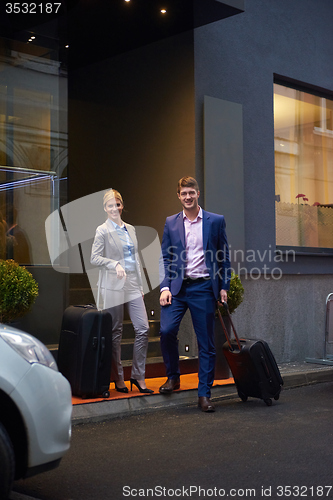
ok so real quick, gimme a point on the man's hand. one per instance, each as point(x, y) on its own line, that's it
point(223, 295)
point(165, 298)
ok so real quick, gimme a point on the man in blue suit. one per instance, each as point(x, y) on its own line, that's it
point(196, 274)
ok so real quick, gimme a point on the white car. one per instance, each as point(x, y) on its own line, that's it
point(35, 408)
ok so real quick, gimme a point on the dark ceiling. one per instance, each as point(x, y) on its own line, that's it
point(97, 29)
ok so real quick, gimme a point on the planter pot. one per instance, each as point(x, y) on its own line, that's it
point(222, 370)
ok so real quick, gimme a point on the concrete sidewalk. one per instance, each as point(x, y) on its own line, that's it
point(293, 374)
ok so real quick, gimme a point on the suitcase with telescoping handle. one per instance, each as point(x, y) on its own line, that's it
point(85, 349)
point(252, 364)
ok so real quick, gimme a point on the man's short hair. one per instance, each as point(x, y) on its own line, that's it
point(187, 182)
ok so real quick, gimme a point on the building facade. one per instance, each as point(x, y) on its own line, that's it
point(238, 94)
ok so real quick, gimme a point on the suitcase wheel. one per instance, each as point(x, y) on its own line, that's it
point(106, 394)
point(268, 402)
point(276, 397)
point(242, 396)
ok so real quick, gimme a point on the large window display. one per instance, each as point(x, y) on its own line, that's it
point(33, 145)
point(303, 136)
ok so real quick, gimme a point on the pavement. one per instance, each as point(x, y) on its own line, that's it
point(294, 374)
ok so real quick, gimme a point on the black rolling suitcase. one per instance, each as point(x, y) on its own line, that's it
point(85, 348)
point(253, 366)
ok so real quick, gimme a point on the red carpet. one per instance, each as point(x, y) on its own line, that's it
point(187, 382)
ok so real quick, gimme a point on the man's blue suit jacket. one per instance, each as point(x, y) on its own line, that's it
point(215, 246)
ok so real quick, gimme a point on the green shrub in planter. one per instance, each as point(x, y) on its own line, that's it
point(235, 294)
point(18, 291)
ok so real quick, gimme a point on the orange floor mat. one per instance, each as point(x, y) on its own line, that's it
point(187, 382)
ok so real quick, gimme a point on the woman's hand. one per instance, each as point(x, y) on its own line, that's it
point(120, 271)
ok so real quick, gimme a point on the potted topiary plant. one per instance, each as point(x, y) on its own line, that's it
point(18, 291)
point(235, 294)
point(235, 298)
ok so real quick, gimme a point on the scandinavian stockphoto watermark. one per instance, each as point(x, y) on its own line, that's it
point(70, 234)
point(249, 264)
point(255, 263)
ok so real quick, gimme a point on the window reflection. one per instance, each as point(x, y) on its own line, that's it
point(33, 147)
point(303, 137)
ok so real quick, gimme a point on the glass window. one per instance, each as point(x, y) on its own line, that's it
point(303, 137)
point(33, 145)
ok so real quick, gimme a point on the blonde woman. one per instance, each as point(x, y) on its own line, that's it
point(115, 248)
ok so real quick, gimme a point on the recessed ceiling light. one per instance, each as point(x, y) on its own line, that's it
point(163, 11)
point(33, 37)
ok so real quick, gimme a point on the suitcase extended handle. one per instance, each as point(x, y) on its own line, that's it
point(100, 272)
point(225, 305)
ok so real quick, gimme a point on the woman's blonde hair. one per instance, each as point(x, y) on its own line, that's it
point(110, 194)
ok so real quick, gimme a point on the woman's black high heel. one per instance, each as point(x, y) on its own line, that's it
point(136, 383)
point(121, 389)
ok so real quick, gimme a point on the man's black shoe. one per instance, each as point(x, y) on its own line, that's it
point(205, 404)
point(170, 385)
